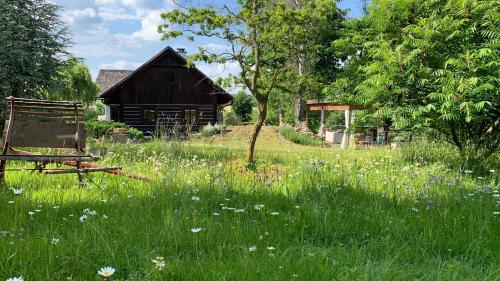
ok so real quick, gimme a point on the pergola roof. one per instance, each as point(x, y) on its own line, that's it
point(327, 105)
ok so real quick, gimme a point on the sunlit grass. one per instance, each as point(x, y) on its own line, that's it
point(305, 213)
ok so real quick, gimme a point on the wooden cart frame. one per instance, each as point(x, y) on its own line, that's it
point(46, 124)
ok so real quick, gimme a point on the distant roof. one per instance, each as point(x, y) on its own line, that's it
point(107, 78)
point(109, 88)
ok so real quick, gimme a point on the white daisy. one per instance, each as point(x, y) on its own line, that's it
point(258, 207)
point(17, 191)
point(83, 218)
point(252, 248)
point(20, 278)
point(196, 230)
point(106, 271)
point(159, 262)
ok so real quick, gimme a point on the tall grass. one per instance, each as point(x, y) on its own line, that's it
point(305, 213)
point(291, 135)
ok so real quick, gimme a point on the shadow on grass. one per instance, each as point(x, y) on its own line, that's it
point(322, 231)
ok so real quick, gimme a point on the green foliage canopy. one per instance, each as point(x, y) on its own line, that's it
point(429, 64)
point(243, 105)
point(33, 42)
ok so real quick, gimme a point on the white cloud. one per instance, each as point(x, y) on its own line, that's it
point(74, 15)
point(116, 14)
point(219, 70)
point(215, 47)
point(147, 33)
point(149, 27)
point(121, 64)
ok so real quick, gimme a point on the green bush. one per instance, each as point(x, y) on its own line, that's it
point(231, 119)
point(99, 129)
point(243, 106)
point(210, 130)
point(93, 111)
point(291, 135)
point(424, 151)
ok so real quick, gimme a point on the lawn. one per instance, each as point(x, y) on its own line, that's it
point(305, 213)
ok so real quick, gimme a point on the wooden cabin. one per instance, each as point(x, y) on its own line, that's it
point(162, 93)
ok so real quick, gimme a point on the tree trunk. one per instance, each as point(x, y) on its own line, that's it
point(299, 110)
point(262, 106)
point(281, 117)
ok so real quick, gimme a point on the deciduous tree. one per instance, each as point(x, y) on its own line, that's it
point(259, 35)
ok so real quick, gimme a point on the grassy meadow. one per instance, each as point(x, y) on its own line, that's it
point(305, 213)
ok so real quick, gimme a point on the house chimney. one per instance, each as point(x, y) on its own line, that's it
point(182, 52)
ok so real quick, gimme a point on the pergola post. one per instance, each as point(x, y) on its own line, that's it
point(323, 124)
point(346, 138)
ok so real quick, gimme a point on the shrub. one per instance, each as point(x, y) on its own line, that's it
point(424, 151)
point(291, 135)
point(99, 129)
point(93, 111)
point(210, 130)
point(243, 105)
point(231, 119)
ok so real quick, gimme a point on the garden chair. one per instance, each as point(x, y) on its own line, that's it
point(46, 124)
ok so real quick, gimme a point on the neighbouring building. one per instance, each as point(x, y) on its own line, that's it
point(162, 93)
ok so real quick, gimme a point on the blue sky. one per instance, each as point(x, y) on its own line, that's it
point(122, 34)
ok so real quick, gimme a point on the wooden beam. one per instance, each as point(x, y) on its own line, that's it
point(333, 107)
point(45, 158)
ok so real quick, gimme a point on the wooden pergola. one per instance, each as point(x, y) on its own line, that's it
point(326, 105)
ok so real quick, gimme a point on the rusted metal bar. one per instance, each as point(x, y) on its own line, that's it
point(86, 165)
point(82, 170)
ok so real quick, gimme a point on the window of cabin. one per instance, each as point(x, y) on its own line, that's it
point(149, 116)
point(169, 77)
point(190, 116)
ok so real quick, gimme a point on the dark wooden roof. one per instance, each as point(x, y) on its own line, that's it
point(107, 78)
point(170, 50)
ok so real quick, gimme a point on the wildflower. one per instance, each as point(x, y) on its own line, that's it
point(159, 262)
point(10, 202)
point(415, 210)
point(17, 191)
point(196, 230)
point(258, 207)
point(195, 198)
point(239, 210)
point(20, 278)
point(89, 212)
point(106, 272)
point(274, 213)
point(270, 248)
point(252, 248)
point(216, 214)
point(55, 241)
point(496, 213)
point(56, 207)
point(83, 218)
